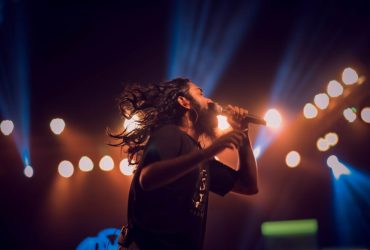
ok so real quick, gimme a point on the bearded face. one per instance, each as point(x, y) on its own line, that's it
point(205, 119)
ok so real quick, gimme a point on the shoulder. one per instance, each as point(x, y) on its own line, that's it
point(167, 131)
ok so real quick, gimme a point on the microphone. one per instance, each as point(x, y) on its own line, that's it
point(249, 118)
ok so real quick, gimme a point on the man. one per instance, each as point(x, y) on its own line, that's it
point(167, 207)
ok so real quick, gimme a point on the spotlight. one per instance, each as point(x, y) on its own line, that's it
point(322, 144)
point(222, 122)
point(349, 76)
point(365, 114)
point(125, 168)
point(273, 118)
point(334, 89)
point(66, 169)
point(350, 114)
point(257, 152)
point(331, 138)
point(292, 159)
point(310, 111)
point(6, 127)
point(337, 167)
point(131, 124)
point(57, 125)
point(321, 100)
point(106, 163)
point(28, 171)
point(86, 164)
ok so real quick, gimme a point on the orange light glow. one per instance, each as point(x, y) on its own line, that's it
point(273, 118)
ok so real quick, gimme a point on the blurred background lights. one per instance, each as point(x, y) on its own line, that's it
point(85, 164)
point(65, 169)
point(309, 111)
point(57, 125)
point(322, 144)
point(126, 168)
point(292, 159)
point(6, 127)
point(273, 118)
point(331, 138)
point(350, 114)
point(257, 151)
point(131, 124)
point(349, 76)
point(28, 171)
point(365, 114)
point(334, 89)
point(222, 122)
point(337, 167)
point(321, 100)
point(106, 163)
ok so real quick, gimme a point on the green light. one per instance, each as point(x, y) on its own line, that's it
point(287, 228)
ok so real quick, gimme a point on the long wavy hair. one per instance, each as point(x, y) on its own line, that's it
point(151, 106)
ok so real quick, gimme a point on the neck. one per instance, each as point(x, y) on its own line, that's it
point(188, 127)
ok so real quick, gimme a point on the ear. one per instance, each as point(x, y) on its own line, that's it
point(183, 101)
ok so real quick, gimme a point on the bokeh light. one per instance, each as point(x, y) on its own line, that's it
point(85, 164)
point(273, 118)
point(222, 122)
point(322, 144)
point(334, 89)
point(131, 124)
point(331, 138)
point(292, 159)
point(7, 127)
point(28, 171)
point(349, 76)
point(66, 169)
point(321, 100)
point(126, 168)
point(57, 125)
point(350, 114)
point(106, 163)
point(365, 114)
point(337, 167)
point(310, 111)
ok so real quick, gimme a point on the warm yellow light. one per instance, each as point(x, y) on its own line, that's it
point(334, 89)
point(365, 114)
point(66, 169)
point(292, 159)
point(322, 144)
point(349, 114)
point(349, 76)
point(28, 171)
point(310, 111)
point(131, 124)
point(57, 125)
point(85, 164)
point(331, 138)
point(321, 100)
point(126, 168)
point(273, 118)
point(222, 122)
point(106, 163)
point(6, 127)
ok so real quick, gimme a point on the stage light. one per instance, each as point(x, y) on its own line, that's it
point(310, 111)
point(365, 114)
point(350, 114)
point(273, 118)
point(322, 144)
point(334, 89)
point(321, 100)
point(257, 152)
point(349, 76)
point(106, 163)
point(66, 169)
point(331, 138)
point(222, 122)
point(292, 159)
point(7, 127)
point(57, 125)
point(126, 168)
point(28, 171)
point(131, 124)
point(86, 164)
point(337, 167)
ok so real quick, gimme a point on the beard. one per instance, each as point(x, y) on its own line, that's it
point(205, 120)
